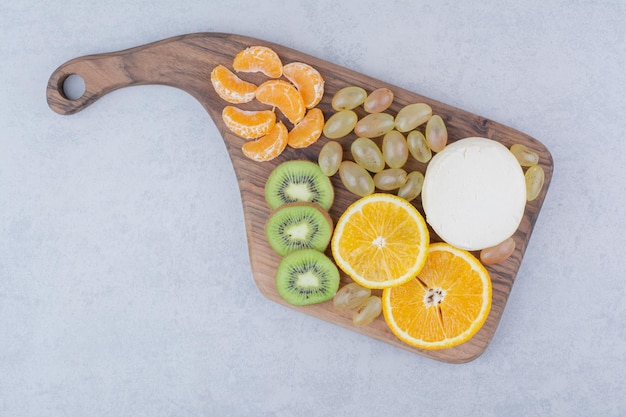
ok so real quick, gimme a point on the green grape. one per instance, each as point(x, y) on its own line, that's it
point(340, 124)
point(330, 158)
point(348, 98)
point(368, 311)
point(374, 125)
point(378, 100)
point(524, 156)
point(356, 179)
point(412, 187)
point(418, 146)
point(534, 182)
point(390, 179)
point(498, 253)
point(395, 149)
point(412, 116)
point(436, 133)
point(367, 154)
point(350, 296)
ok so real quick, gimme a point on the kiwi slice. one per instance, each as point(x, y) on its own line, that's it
point(296, 226)
point(298, 180)
point(307, 277)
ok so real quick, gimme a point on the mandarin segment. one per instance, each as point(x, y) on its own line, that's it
point(259, 59)
point(248, 124)
point(380, 241)
point(269, 146)
point(230, 87)
point(445, 305)
point(307, 80)
point(284, 96)
point(308, 130)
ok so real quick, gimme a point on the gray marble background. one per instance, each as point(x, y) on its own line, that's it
point(125, 284)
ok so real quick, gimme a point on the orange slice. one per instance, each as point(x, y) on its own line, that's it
point(285, 96)
point(259, 59)
point(269, 146)
point(308, 130)
point(445, 305)
point(248, 124)
point(308, 80)
point(380, 241)
point(230, 87)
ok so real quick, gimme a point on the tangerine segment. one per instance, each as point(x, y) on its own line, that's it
point(308, 130)
point(269, 146)
point(230, 87)
point(259, 59)
point(285, 96)
point(381, 241)
point(445, 305)
point(248, 124)
point(308, 80)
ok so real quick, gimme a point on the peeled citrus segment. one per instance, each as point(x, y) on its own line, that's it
point(380, 241)
point(308, 130)
point(259, 59)
point(230, 87)
point(445, 305)
point(308, 80)
point(269, 146)
point(248, 124)
point(285, 96)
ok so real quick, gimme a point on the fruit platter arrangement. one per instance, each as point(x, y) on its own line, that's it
point(366, 205)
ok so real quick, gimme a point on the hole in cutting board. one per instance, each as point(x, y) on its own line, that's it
point(74, 87)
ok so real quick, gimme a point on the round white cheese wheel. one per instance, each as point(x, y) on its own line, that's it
point(474, 193)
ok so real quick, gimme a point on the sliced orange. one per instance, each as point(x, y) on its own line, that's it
point(285, 96)
point(308, 80)
point(230, 87)
point(380, 241)
point(269, 146)
point(445, 305)
point(248, 124)
point(308, 130)
point(259, 59)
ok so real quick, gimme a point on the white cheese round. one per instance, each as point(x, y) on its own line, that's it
point(474, 193)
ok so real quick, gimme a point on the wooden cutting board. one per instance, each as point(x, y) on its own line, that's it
point(186, 62)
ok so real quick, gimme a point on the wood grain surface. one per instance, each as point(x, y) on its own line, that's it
point(186, 61)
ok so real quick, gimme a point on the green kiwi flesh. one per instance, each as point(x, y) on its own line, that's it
point(296, 226)
point(307, 277)
point(298, 181)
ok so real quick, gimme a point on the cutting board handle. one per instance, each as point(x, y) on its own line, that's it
point(183, 62)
